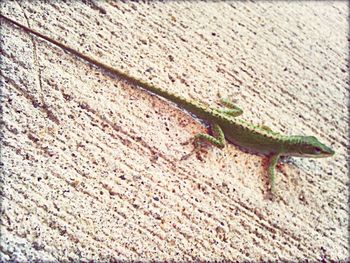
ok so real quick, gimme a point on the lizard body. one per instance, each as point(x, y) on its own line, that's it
point(223, 121)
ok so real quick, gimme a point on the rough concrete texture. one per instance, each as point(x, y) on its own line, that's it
point(93, 167)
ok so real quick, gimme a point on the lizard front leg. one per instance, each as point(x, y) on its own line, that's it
point(271, 170)
point(218, 138)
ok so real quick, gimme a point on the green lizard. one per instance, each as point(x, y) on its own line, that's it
point(223, 121)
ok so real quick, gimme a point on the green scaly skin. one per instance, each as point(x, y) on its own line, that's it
point(223, 122)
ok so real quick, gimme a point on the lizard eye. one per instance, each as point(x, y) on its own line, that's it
point(317, 150)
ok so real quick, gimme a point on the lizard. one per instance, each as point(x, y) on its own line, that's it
point(223, 121)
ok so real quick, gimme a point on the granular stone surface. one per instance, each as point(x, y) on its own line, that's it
point(95, 168)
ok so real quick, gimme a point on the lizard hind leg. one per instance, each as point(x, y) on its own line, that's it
point(231, 112)
point(218, 138)
point(231, 109)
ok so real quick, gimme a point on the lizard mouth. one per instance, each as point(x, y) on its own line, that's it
point(310, 155)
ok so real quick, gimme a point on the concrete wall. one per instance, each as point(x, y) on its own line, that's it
point(94, 168)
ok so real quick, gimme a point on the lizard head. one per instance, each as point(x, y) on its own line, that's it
point(309, 146)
